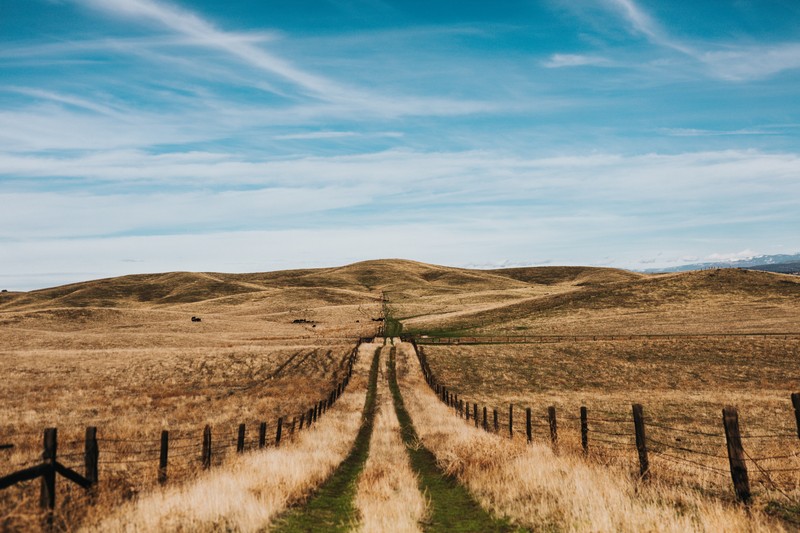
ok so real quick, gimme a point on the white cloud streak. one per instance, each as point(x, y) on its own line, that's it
point(575, 60)
point(727, 61)
point(195, 27)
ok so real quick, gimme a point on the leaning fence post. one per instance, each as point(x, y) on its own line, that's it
point(207, 447)
point(551, 418)
point(279, 431)
point(584, 430)
point(796, 405)
point(528, 424)
point(511, 421)
point(91, 455)
point(163, 457)
point(240, 439)
point(741, 483)
point(641, 440)
point(47, 497)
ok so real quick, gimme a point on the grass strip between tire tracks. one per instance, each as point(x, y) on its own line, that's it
point(331, 507)
point(452, 508)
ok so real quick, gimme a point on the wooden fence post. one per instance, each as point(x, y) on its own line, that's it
point(796, 405)
point(551, 419)
point(163, 457)
point(585, 430)
point(310, 413)
point(207, 447)
point(496, 427)
point(291, 430)
point(511, 421)
point(475, 413)
point(240, 439)
point(641, 440)
point(302, 419)
point(91, 455)
point(741, 483)
point(278, 433)
point(262, 434)
point(467, 412)
point(47, 496)
point(528, 424)
point(485, 420)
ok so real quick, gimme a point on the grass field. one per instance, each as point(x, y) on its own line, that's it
point(123, 354)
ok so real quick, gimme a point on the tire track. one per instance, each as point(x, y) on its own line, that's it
point(451, 506)
point(332, 507)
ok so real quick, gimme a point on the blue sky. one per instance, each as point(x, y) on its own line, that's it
point(149, 136)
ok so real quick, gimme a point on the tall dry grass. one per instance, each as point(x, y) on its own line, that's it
point(248, 493)
point(538, 489)
point(388, 496)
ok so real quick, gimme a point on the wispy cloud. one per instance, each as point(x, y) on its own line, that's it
point(315, 135)
point(575, 60)
point(728, 61)
point(692, 132)
point(191, 25)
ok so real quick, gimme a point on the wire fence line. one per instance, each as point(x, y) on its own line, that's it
point(692, 448)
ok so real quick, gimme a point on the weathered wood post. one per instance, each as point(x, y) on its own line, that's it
point(302, 419)
point(467, 411)
point(163, 457)
point(511, 421)
point(91, 454)
point(240, 439)
point(262, 435)
point(796, 405)
point(475, 413)
point(528, 424)
point(279, 431)
point(641, 440)
point(291, 430)
point(741, 482)
point(585, 430)
point(207, 447)
point(496, 427)
point(551, 419)
point(310, 417)
point(47, 495)
point(485, 420)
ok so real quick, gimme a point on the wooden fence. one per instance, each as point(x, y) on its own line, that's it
point(203, 448)
point(538, 339)
point(705, 450)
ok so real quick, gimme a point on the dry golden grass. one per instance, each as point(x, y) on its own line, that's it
point(538, 489)
point(127, 359)
point(248, 493)
point(682, 386)
point(122, 354)
point(388, 496)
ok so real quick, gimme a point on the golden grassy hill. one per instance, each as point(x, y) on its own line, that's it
point(446, 300)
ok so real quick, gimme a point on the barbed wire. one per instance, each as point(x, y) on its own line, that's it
point(677, 459)
point(684, 449)
point(766, 474)
point(681, 430)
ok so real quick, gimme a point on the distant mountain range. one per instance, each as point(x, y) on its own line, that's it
point(783, 263)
